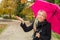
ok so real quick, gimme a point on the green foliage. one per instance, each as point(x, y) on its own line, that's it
point(6, 17)
point(55, 35)
point(54, 1)
point(27, 13)
point(19, 8)
point(57, 2)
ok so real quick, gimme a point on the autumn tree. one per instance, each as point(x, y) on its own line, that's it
point(20, 7)
point(9, 7)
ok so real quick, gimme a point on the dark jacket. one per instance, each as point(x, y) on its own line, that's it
point(45, 27)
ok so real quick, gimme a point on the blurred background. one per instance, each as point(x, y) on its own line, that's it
point(11, 8)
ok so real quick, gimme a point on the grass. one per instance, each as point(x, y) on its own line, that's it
point(2, 27)
point(56, 35)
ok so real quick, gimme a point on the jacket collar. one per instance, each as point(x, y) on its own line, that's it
point(43, 23)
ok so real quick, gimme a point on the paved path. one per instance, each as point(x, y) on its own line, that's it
point(15, 32)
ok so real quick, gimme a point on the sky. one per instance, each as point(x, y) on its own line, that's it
point(0, 1)
point(29, 0)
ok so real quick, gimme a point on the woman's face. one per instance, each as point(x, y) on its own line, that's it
point(41, 16)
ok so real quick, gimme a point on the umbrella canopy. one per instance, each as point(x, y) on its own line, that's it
point(39, 0)
point(52, 11)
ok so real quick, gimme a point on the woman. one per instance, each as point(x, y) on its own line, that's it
point(52, 12)
point(42, 31)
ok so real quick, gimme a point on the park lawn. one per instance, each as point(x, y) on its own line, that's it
point(56, 35)
point(2, 27)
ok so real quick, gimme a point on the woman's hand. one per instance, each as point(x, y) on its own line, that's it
point(19, 18)
point(38, 35)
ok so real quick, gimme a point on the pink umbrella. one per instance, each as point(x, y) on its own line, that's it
point(39, 0)
point(53, 13)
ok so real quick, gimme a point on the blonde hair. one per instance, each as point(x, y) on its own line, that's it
point(36, 21)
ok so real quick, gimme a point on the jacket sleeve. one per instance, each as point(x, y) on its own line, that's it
point(48, 33)
point(25, 28)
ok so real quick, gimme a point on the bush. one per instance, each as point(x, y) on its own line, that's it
point(6, 17)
